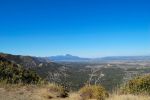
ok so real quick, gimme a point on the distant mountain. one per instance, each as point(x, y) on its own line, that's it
point(125, 58)
point(70, 58)
point(67, 58)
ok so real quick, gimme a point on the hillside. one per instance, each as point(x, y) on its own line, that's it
point(13, 73)
point(41, 65)
point(26, 61)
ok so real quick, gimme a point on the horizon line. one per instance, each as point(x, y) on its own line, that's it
point(77, 55)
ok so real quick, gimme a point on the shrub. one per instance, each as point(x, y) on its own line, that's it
point(93, 92)
point(138, 85)
point(57, 91)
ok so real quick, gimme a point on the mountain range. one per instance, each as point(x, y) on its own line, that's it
point(71, 58)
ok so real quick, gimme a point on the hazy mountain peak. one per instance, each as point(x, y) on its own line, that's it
point(69, 55)
point(66, 57)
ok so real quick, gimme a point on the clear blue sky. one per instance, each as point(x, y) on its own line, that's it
point(87, 28)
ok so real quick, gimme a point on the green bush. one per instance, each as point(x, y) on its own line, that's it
point(138, 85)
point(93, 92)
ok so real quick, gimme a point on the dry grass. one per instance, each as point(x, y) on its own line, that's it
point(42, 94)
point(31, 92)
point(75, 96)
point(128, 97)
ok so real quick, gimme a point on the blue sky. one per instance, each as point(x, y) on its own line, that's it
point(87, 28)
